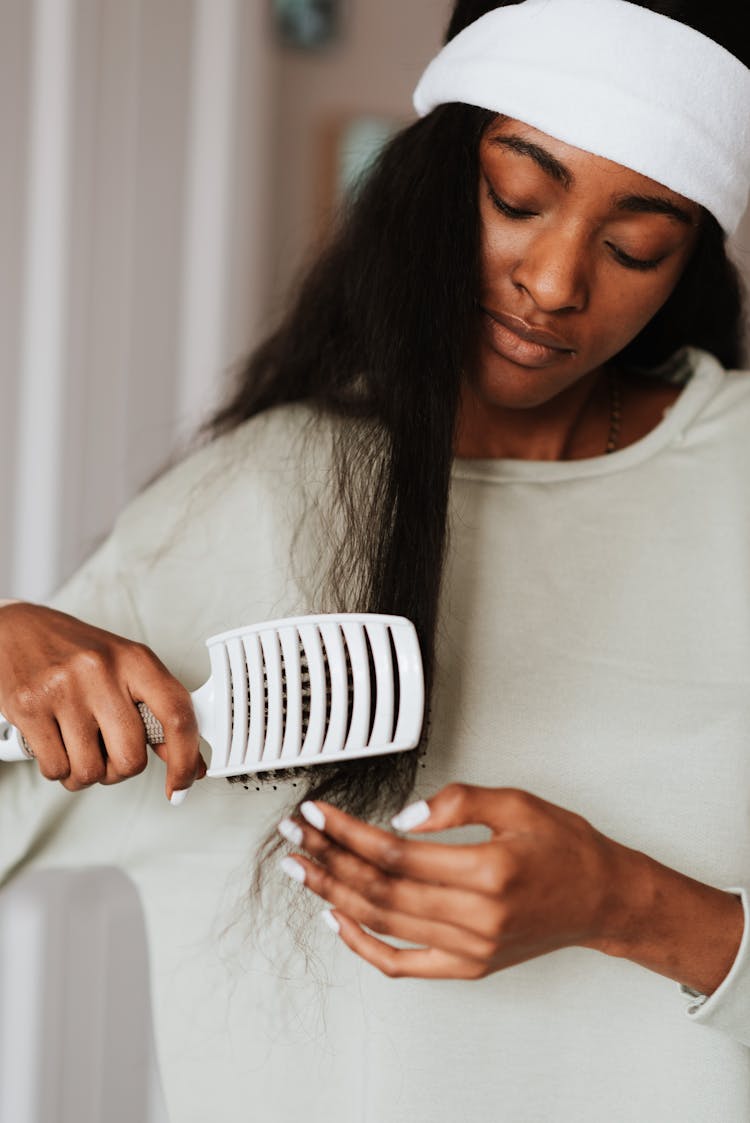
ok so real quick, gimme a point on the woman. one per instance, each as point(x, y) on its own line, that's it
point(525, 331)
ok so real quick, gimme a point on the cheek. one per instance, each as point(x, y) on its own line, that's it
point(634, 300)
point(499, 250)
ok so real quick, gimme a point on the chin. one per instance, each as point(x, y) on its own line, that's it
point(503, 383)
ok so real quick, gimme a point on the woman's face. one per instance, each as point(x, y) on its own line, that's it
point(577, 254)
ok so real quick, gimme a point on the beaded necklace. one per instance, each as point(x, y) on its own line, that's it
point(615, 411)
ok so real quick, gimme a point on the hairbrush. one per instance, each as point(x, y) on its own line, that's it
point(299, 691)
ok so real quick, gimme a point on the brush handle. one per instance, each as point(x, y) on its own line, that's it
point(13, 744)
point(15, 747)
point(154, 728)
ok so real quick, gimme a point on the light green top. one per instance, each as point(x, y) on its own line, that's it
point(594, 648)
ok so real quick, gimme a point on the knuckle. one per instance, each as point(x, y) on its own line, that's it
point(84, 665)
point(390, 966)
point(375, 919)
point(55, 771)
point(495, 874)
point(85, 662)
point(457, 795)
point(483, 949)
point(518, 802)
point(180, 721)
point(325, 852)
point(140, 651)
point(496, 922)
point(476, 970)
point(379, 890)
point(88, 772)
point(26, 701)
point(391, 858)
point(132, 762)
point(326, 881)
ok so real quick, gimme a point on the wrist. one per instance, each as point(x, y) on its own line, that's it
point(627, 901)
point(669, 923)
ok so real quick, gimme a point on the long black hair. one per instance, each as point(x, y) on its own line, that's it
point(377, 328)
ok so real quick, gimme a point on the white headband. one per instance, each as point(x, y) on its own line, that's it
point(617, 80)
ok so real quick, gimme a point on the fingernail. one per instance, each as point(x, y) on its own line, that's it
point(290, 831)
point(411, 816)
point(313, 814)
point(177, 798)
point(293, 869)
point(329, 919)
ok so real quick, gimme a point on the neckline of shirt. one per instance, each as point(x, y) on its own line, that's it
point(707, 375)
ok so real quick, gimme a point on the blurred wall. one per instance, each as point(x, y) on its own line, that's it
point(136, 141)
point(372, 69)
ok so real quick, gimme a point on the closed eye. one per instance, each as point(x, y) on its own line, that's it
point(634, 262)
point(506, 208)
point(644, 265)
point(641, 264)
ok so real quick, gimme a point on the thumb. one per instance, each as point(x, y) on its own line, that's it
point(456, 805)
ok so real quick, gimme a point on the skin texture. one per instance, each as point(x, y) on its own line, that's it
point(71, 689)
point(559, 267)
point(546, 878)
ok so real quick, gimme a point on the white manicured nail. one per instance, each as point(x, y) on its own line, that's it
point(179, 797)
point(329, 919)
point(293, 869)
point(313, 814)
point(290, 831)
point(411, 816)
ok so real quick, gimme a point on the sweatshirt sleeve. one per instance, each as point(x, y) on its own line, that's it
point(728, 1008)
point(32, 807)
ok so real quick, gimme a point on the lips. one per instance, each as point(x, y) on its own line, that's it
point(529, 332)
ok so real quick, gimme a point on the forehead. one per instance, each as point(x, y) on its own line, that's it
point(506, 138)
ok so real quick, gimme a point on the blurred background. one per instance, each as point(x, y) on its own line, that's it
point(169, 166)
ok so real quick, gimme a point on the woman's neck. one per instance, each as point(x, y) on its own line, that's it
point(573, 424)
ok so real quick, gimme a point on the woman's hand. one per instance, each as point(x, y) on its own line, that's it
point(72, 690)
point(543, 880)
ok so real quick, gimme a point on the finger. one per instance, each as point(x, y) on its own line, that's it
point(441, 863)
point(123, 739)
point(458, 805)
point(418, 930)
point(161, 752)
point(396, 963)
point(469, 912)
point(171, 705)
point(84, 748)
point(45, 741)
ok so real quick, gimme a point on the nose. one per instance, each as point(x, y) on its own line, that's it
point(553, 271)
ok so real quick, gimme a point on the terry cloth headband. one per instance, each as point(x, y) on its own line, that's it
point(615, 79)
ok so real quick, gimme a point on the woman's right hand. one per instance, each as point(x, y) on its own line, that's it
point(72, 690)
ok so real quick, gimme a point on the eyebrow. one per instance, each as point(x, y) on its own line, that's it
point(632, 204)
point(546, 161)
point(652, 204)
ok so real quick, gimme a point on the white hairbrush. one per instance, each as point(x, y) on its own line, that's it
point(299, 691)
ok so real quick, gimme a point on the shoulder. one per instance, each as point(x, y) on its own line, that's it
point(236, 476)
point(728, 402)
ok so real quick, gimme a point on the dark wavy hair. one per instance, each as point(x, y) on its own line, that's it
point(377, 328)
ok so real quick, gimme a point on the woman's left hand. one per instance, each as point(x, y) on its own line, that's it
point(545, 879)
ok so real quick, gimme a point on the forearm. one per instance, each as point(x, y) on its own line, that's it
point(672, 924)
